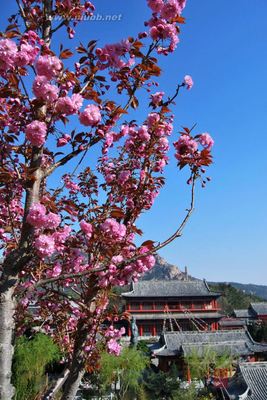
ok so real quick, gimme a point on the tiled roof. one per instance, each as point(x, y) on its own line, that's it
point(170, 289)
point(259, 308)
point(231, 322)
point(255, 376)
point(153, 316)
point(243, 313)
point(236, 342)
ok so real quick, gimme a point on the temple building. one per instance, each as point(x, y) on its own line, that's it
point(249, 382)
point(172, 305)
point(255, 312)
point(174, 347)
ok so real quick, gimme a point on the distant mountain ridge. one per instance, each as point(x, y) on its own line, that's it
point(250, 288)
point(166, 271)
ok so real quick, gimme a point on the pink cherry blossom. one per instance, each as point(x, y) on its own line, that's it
point(56, 270)
point(185, 147)
point(69, 105)
point(63, 140)
point(206, 140)
point(113, 347)
point(37, 215)
point(90, 116)
point(52, 220)
point(86, 228)
point(45, 245)
point(155, 5)
point(156, 98)
point(42, 89)
point(36, 133)
point(49, 66)
point(26, 55)
point(188, 81)
point(113, 229)
point(8, 54)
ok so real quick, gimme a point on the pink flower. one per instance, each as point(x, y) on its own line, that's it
point(123, 177)
point(90, 116)
point(63, 140)
point(37, 215)
point(155, 5)
point(143, 133)
point(44, 90)
point(152, 119)
point(185, 145)
point(206, 140)
point(156, 98)
point(36, 133)
point(49, 66)
point(188, 81)
point(60, 237)
point(56, 270)
point(171, 9)
point(72, 186)
point(45, 245)
point(26, 55)
point(8, 53)
point(52, 220)
point(113, 347)
point(113, 229)
point(86, 228)
point(69, 105)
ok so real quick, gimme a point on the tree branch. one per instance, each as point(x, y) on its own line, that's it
point(174, 236)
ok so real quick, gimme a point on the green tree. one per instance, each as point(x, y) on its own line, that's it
point(31, 358)
point(161, 385)
point(123, 373)
point(203, 364)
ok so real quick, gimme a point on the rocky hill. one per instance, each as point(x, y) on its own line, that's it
point(165, 271)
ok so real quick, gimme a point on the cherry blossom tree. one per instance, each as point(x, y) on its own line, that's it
point(66, 242)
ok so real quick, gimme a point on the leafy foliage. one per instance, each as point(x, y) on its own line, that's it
point(31, 358)
point(232, 298)
point(124, 372)
point(201, 365)
point(258, 332)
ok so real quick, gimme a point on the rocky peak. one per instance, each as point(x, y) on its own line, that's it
point(165, 271)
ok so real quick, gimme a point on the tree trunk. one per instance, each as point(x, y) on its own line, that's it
point(77, 368)
point(7, 310)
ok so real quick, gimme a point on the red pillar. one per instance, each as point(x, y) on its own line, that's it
point(188, 374)
point(154, 332)
point(141, 330)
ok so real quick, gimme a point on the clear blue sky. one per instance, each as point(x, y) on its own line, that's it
point(224, 47)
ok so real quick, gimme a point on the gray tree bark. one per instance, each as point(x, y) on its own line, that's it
point(77, 368)
point(7, 308)
point(19, 257)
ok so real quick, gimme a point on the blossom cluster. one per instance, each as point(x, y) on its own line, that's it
point(12, 56)
point(47, 243)
point(163, 23)
point(113, 335)
point(188, 152)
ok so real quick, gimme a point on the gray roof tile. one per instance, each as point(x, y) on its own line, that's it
point(255, 376)
point(170, 289)
point(259, 308)
point(233, 341)
point(243, 313)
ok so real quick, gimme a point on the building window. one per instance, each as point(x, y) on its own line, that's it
point(134, 306)
point(159, 306)
point(147, 306)
point(147, 330)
